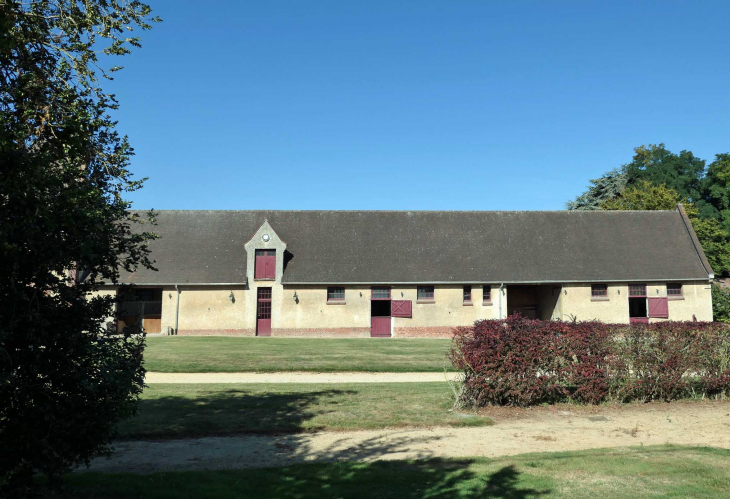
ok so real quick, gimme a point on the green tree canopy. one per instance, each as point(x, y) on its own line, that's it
point(610, 185)
point(646, 196)
point(683, 172)
point(65, 378)
point(718, 187)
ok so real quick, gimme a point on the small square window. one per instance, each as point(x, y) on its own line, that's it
point(467, 294)
point(381, 293)
point(674, 289)
point(599, 291)
point(336, 294)
point(425, 293)
point(487, 296)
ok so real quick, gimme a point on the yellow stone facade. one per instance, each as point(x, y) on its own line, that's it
point(208, 310)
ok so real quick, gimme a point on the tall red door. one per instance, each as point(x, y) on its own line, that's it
point(380, 327)
point(263, 312)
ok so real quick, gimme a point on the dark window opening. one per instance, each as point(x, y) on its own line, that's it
point(381, 293)
point(637, 307)
point(140, 307)
point(336, 294)
point(674, 289)
point(425, 293)
point(380, 308)
point(599, 290)
point(467, 294)
point(487, 293)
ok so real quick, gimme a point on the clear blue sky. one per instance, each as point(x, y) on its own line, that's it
point(415, 105)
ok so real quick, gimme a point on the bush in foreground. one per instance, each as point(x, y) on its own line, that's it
point(521, 362)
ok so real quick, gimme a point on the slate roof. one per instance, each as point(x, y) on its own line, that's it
point(430, 246)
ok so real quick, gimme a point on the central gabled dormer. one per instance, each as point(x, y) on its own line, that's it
point(265, 255)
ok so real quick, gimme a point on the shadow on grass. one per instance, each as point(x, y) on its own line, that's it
point(436, 478)
point(283, 461)
point(228, 412)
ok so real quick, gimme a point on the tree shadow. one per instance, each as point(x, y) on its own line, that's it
point(433, 478)
point(229, 412)
point(255, 443)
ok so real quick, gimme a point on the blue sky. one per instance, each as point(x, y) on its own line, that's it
point(415, 105)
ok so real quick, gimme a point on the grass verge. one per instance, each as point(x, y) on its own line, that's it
point(628, 473)
point(227, 354)
point(179, 410)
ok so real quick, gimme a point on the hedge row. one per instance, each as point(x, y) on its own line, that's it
point(521, 362)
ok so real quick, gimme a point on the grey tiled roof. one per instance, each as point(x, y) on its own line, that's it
point(429, 246)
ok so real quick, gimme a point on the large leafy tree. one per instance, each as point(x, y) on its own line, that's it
point(683, 172)
point(602, 189)
point(65, 377)
point(646, 196)
point(718, 187)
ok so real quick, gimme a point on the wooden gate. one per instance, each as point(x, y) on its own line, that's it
point(263, 312)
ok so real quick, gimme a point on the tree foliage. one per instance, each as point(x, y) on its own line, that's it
point(720, 304)
point(610, 185)
point(718, 187)
point(65, 378)
point(645, 196)
point(683, 172)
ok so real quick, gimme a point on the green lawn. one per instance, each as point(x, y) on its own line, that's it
point(176, 410)
point(227, 354)
point(633, 473)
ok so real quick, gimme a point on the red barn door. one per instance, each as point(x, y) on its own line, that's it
point(263, 312)
point(380, 311)
point(380, 327)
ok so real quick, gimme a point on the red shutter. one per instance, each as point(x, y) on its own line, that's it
point(260, 268)
point(271, 265)
point(401, 308)
point(658, 308)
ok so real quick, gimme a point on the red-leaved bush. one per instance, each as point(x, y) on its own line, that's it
point(518, 361)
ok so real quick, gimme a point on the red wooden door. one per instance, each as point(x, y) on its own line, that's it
point(263, 312)
point(380, 327)
point(265, 265)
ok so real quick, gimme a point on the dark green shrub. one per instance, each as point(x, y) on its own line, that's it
point(720, 304)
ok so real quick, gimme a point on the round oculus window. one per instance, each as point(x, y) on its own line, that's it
point(265, 238)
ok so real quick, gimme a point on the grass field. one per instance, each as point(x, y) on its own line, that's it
point(227, 354)
point(177, 410)
point(633, 473)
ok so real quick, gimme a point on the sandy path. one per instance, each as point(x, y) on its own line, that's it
point(515, 432)
point(296, 377)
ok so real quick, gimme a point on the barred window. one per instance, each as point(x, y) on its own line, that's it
point(599, 290)
point(381, 293)
point(674, 289)
point(637, 290)
point(487, 293)
point(335, 294)
point(467, 294)
point(425, 293)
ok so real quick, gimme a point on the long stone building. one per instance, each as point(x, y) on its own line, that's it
point(413, 273)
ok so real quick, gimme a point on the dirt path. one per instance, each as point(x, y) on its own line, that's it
point(515, 432)
point(296, 377)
